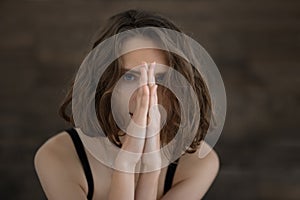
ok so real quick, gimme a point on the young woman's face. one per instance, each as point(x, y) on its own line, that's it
point(131, 63)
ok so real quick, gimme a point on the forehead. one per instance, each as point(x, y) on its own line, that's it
point(147, 51)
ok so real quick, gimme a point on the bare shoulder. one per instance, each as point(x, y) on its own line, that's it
point(56, 147)
point(58, 167)
point(204, 161)
point(195, 174)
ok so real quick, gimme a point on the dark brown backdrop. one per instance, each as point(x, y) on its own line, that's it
point(254, 43)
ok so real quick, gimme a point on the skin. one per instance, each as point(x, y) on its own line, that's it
point(123, 182)
point(193, 176)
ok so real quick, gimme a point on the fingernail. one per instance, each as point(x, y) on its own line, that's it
point(154, 64)
point(146, 65)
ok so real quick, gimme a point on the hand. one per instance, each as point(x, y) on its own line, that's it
point(134, 139)
point(151, 159)
point(146, 112)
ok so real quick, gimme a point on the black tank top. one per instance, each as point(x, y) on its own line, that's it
point(88, 172)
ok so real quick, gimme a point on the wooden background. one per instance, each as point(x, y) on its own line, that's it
point(255, 44)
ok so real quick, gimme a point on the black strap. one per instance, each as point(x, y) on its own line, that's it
point(84, 161)
point(88, 173)
point(170, 175)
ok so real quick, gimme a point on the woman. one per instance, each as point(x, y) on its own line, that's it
point(67, 170)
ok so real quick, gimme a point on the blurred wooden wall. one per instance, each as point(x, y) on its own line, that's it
point(255, 44)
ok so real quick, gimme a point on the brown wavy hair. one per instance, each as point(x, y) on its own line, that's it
point(128, 20)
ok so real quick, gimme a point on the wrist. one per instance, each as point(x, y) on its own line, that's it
point(126, 161)
point(151, 161)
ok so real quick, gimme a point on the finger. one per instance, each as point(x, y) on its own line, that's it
point(142, 100)
point(138, 123)
point(144, 77)
point(153, 95)
point(154, 115)
point(154, 104)
point(151, 77)
point(151, 82)
point(141, 109)
point(143, 92)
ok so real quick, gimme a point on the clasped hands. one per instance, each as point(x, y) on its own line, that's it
point(142, 139)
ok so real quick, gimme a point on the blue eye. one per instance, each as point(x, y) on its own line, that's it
point(160, 78)
point(129, 77)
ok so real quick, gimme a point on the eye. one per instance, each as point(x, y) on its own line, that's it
point(160, 77)
point(129, 77)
